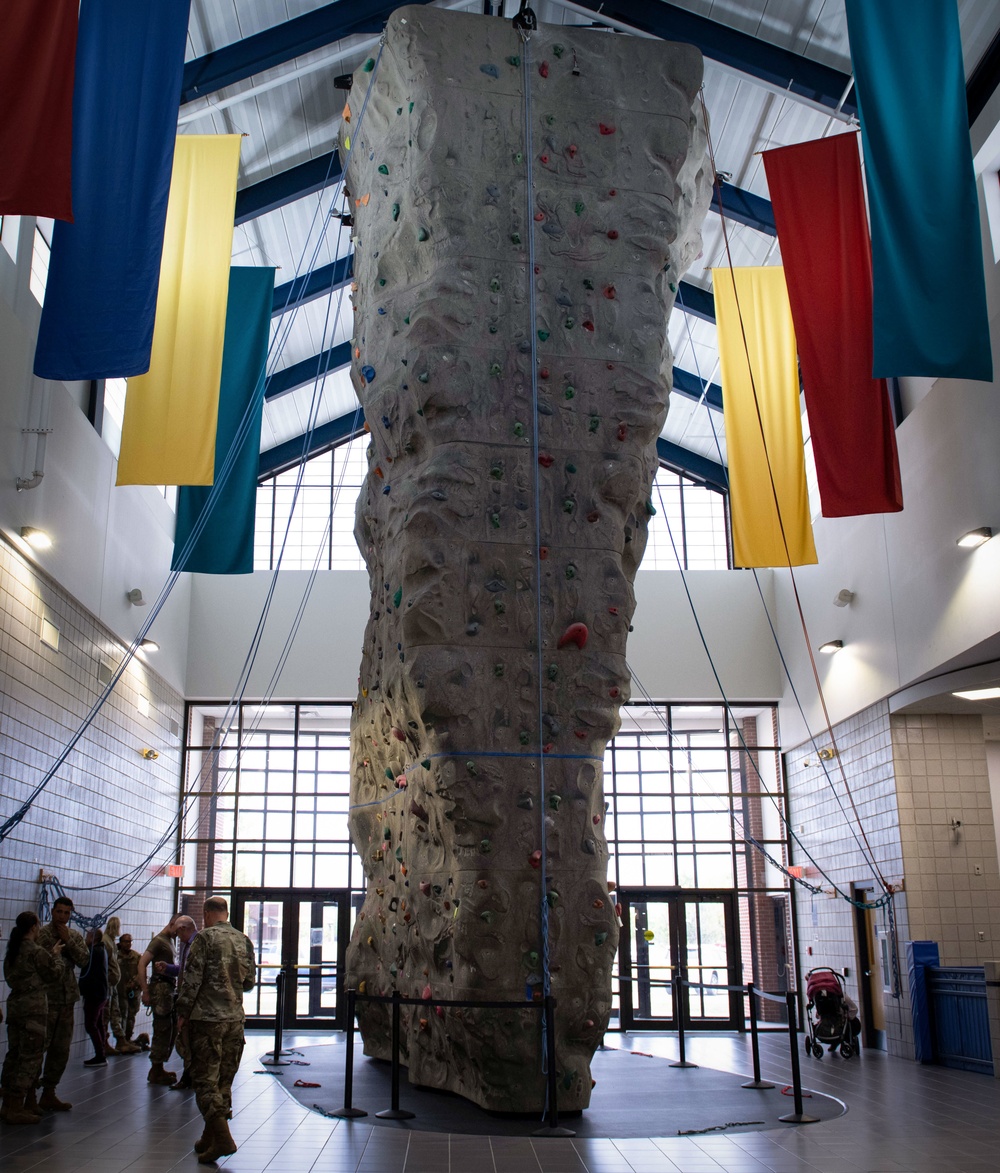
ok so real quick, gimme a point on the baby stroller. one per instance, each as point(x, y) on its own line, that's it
point(835, 1023)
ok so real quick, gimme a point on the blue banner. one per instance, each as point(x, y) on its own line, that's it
point(225, 544)
point(100, 299)
point(930, 313)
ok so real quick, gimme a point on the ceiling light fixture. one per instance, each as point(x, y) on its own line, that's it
point(979, 694)
point(975, 537)
point(37, 539)
point(149, 645)
point(831, 646)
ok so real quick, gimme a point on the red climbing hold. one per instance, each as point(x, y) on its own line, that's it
point(593, 516)
point(622, 431)
point(612, 610)
point(589, 326)
point(611, 366)
point(398, 734)
point(425, 887)
point(543, 552)
point(539, 217)
point(609, 292)
point(547, 747)
point(439, 1011)
point(427, 993)
point(604, 128)
point(613, 692)
point(546, 459)
point(613, 191)
point(596, 820)
point(543, 158)
point(543, 69)
point(538, 269)
point(571, 150)
point(543, 373)
point(612, 234)
point(581, 733)
point(576, 633)
point(535, 859)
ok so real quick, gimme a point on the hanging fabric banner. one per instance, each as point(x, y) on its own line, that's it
point(168, 434)
point(37, 55)
point(225, 544)
point(100, 296)
point(769, 502)
point(819, 207)
point(930, 313)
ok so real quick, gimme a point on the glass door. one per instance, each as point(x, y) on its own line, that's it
point(302, 934)
point(667, 930)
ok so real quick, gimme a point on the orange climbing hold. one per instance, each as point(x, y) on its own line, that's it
point(576, 633)
point(346, 112)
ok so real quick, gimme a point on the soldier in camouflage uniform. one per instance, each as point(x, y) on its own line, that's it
point(26, 969)
point(220, 968)
point(125, 997)
point(63, 994)
point(158, 995)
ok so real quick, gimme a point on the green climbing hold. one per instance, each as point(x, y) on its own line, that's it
point(518, 428)
point(399, 853)
point(578, 207)
point(524, 737)
point(554, 801)
point(496, 369)
point(515, 238)
point(570, 467)
point(495, 284)
point(571, 571)
point(399, 109)
point(569, 323)
point(426, 763)
point(570, 391)
point(387, 833)
point(411, 107)
point(543, 335)
point(369, 65)
point(552, 898)
point(395, 211)
point(515, 61)
point(496, 472)
point(383, 169)
point(518, 158)
point(394, 969)
point(532, 957)
point(423, 234)
point(588, 283)
point(389, 774)
point(549, 119)
point(552, 671)
point(493, 327)
point(381, 281)
point(498, 606)
point(568, 505)
point(495, 520)
point(600, 938)
point(471, 767)
point(558, 50)
point(673, 287)
point(650, 508)
point(485, 846)
point(487, 916)
point(595, 423)
point(422, 377)
point(498, 670)
point(407, 321)
point(397, 598)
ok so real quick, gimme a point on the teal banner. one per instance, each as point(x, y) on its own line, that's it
point(930, 313)
point(224, 514)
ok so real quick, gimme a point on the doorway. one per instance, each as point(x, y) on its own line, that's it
point(664, 930)
point(870, 943)
point(304, 934)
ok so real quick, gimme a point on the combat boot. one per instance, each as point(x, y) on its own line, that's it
point(31, 1104)
point(52, 1102)
point(14, 1112)
point(202, 1143)
point(221, 1143)
point(158, 1076)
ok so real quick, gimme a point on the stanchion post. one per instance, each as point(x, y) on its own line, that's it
point(678, 982)
point(395, 1112)
point(798, 1116)
point(756, 1082)
point(551, 1127)
point(279, 1015)
point(349, 1112)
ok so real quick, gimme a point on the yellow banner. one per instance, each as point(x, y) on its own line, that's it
point(768, 500)
point(168, 436)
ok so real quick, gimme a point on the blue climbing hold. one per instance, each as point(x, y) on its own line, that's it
point(369, 373)
point(489, 70)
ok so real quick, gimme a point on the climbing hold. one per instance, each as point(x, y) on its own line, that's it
point(363, 201)
point(579, 207)
point(383, 169)
point(525, 802)
point(612, 610)
point(569, 392)
point(543, 553)
point(554, 801)
point(558, 50)
point(589, 326)
point(496, 369)
point(600, 938)
point(543, 69)
point(498, 670)
point(650, 508)
point(499, 606)
point(539, 217)
point(411, 108)
point(425, 887)
point(609, 292)
point(379, 473)
point(524, 737)
point(389, 773)
point(397, 598)
point(489, 70)
point(515, 61)
point(588, 283)
point(515, 238)
point(347, 141)
point(426, 994)
point(487, 916)
point(595, 423)
point(552, 671)
point(568, 505)
point(614, 693)
point(545, 459)
point(571, 150)
point(552, 898)
point(398, 734)
point(569, 323)
point(485, 846)
point(423, 377)
point(395, 211)
point(612, 234)
point(622, 431)
point(381, 281)
point(582, 734)
point(472, 628)
point(673, 287)
point(495, 520)
point(543, 158)
point(495, 284)
point(543, 335)
point(604, 128)
point(543, 373)
point(493, 327)
point(518, 428)
point(576, 633)
point(369, 65)
point(368, 373)
point(496, 472)
point(518, 157)
point(593, 516)
point(535, 859)
point(423, 234)
point(426, 763)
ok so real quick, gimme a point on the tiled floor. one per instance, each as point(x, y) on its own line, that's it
point(902, 1118)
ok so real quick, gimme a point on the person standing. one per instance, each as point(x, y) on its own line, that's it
point(220, 970)
point(63, 994)
point(111, 931)
point(158, 995)
point(187, 930)
point(27, 968)
point(94, 987)
point(125, 997)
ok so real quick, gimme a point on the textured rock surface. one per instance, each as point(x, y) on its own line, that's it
point(477, 801)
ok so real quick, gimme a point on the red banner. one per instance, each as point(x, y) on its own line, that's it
point(819, 208)
point(37, 57)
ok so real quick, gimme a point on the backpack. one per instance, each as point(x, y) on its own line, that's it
point(94, 979)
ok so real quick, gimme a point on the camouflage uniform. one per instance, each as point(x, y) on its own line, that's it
point(123, 1007)
point(161, 1001)
point(220, 968)
point(63, 993)
point(27, 1015)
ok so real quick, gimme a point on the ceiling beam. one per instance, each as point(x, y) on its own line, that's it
point(312, 285)
point(691, 387)
point(781, 69)
point(295, 451)
point(692, 464)
point(287, 186)
point(282, 42)
point(301, 374)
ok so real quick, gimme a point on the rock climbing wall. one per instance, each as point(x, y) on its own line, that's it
point(515, 263)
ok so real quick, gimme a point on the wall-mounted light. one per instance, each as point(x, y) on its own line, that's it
point(134, 596)
point(975, 537)
point(149, 754)
point(831, 646)
point(979, 694)
point(827, 753)
point(843, 598)
point(37, 539)
point(149, 645)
